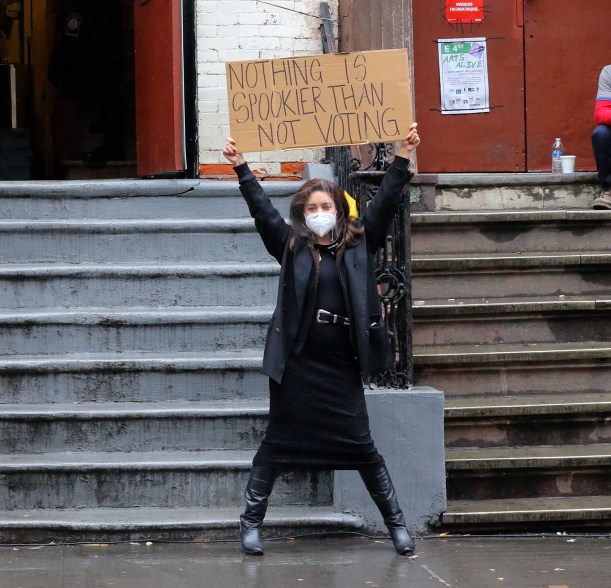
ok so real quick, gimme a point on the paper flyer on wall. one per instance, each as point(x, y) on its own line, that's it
point(463, 76)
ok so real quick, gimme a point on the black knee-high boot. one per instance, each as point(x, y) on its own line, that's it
point(259, 487)
point(378, 483)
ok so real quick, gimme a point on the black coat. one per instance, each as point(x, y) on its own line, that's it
point(357, 273)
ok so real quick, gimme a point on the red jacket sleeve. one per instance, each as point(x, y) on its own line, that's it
point(602, 112)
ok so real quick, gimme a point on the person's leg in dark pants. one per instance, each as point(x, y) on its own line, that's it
point(378, 483)
point(259, 487)
point(601, 145)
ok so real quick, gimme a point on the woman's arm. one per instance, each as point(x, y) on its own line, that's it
point(380, 211)
point(269, 222)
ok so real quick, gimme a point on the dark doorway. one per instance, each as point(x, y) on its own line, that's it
point(90, 85)
point(45, 108)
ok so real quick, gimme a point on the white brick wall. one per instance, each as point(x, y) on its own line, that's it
point(247, 29)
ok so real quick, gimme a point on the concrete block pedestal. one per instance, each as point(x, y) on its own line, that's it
point(407, 428)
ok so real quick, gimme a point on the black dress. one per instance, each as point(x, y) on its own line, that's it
point(318, 416)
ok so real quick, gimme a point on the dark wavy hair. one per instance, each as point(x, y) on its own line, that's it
point(349, 230)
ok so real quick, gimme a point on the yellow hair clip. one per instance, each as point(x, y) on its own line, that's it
point(351, 205)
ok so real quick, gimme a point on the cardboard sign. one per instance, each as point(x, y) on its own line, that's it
point(458, 12)
point(314, 101)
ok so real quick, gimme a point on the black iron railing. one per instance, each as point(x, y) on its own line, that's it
point(393, 270)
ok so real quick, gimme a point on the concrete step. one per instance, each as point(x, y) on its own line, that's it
point(169, 479)
point(502, 458)
point(132, 199)
point(510, 275)
point(143, 523)
point(97, 330)
point(540, 319)
point(132, 377)
point(80, 170)
point(542, 514)
point(508, 406)
point(525, 352)
point(131, 426)
point(513, 191)
point(524, 472)
point(139, 240)
point(510, 231)
point(115, 213)
point(570, 419)
point(84, 285)
point(514, 370)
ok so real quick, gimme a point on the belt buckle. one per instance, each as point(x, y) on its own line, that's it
point(319, 318)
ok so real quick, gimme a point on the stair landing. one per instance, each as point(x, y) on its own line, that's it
point(504, 191)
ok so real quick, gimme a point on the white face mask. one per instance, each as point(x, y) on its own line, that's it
point(320, 223)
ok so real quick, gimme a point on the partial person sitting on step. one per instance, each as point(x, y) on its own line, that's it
point(601, 138)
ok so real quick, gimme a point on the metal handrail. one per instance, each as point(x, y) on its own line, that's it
point(393, 260)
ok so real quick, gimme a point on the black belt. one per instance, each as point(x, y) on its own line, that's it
point(324, 317)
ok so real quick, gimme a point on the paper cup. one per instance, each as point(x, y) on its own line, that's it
point(568, 164)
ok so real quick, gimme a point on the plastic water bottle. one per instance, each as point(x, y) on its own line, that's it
point(557, 152)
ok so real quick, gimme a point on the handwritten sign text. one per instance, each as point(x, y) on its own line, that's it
point(340, 99)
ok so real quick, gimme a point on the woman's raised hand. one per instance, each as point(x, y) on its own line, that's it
point(232, 154)
point(409, 144)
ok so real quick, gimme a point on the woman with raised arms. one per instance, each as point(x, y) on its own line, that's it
point(326, 335)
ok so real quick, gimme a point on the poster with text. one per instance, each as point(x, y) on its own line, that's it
point(318, 100)
point(463, 76)
point(471, 12)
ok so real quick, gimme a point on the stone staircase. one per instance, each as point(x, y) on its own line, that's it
point(132, 323)
point(512, 316)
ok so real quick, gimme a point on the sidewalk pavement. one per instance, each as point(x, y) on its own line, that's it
point(567, 561)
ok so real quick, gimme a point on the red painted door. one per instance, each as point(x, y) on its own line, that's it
point(160, 117)
point(567, 44)
point(485, 142)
